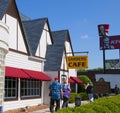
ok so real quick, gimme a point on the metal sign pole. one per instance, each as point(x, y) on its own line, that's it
point(104, 61)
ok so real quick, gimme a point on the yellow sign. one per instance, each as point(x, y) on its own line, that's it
point(77, 62)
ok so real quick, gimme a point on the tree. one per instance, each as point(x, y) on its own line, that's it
point(85, 79)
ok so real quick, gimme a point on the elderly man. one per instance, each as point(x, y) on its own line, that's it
point(56, 94)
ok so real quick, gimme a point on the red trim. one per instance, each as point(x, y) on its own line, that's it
point(24, 73)
point(77, 80)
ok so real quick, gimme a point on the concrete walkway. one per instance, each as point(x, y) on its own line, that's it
point(48, 111)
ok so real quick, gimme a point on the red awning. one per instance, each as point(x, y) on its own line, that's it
point(77, 80)
point(15, 72)
point(24, 73)
point(37, 75)
point(69, 79)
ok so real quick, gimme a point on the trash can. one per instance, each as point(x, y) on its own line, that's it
point(77, 101)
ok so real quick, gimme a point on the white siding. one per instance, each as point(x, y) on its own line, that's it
point(49, 42)
point(21, 61)
point(12, 23)
point(21, 43)
point(63, 64)
point(15, 34)
point(72, 72)
point(3, 19)
point(68, 47)
point(44, 41)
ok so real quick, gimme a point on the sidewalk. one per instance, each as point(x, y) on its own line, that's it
point(48, 111)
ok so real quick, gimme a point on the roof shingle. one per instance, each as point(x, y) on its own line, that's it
point(3, 7)
point(33, 30)
point(55, 52)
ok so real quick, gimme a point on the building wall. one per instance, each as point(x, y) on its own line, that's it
point(45, 40)
point(46, 97)
point(19, 60)
point(9, 105)
point(16, 39)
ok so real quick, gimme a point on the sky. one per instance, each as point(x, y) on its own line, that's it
point(81, 18)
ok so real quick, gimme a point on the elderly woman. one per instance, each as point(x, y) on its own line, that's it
point(66, 94)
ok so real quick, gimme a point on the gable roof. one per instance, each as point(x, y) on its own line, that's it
point(24, 17)
point(3, 7)
point(55, 52)
point(33, 30)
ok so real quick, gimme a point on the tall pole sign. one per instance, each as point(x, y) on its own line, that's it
point(103, 34)
point(4, 35)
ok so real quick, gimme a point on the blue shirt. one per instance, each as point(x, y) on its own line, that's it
point(55, 88)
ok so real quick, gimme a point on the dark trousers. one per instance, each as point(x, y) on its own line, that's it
point(52, 102)
point(65, 102)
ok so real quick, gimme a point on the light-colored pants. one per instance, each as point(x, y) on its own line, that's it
point(90, 96)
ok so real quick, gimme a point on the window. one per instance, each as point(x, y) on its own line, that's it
point(11, 87)
point(73, 87)
point(30, 88)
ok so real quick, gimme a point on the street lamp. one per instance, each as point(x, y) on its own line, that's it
point(4, 34)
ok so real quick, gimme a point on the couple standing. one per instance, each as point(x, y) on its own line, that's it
point(59, 91)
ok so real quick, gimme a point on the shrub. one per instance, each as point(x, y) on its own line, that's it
point(109, 104)
point(72, 97)
point(85, 79)
point(83, 96)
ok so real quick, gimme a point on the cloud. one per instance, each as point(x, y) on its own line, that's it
point(84, 36)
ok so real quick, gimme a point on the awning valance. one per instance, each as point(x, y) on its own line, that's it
point(15, 72)
point(77, 80)
point(24, 73)
point(37, 75)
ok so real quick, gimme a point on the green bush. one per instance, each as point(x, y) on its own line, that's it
point(85, 79)
point(72, 97)
point(109, 104)
point(82, 95)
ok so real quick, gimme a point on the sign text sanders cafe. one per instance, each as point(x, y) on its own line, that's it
point(77, 62)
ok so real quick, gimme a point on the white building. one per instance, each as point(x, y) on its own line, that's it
point(36, 55)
